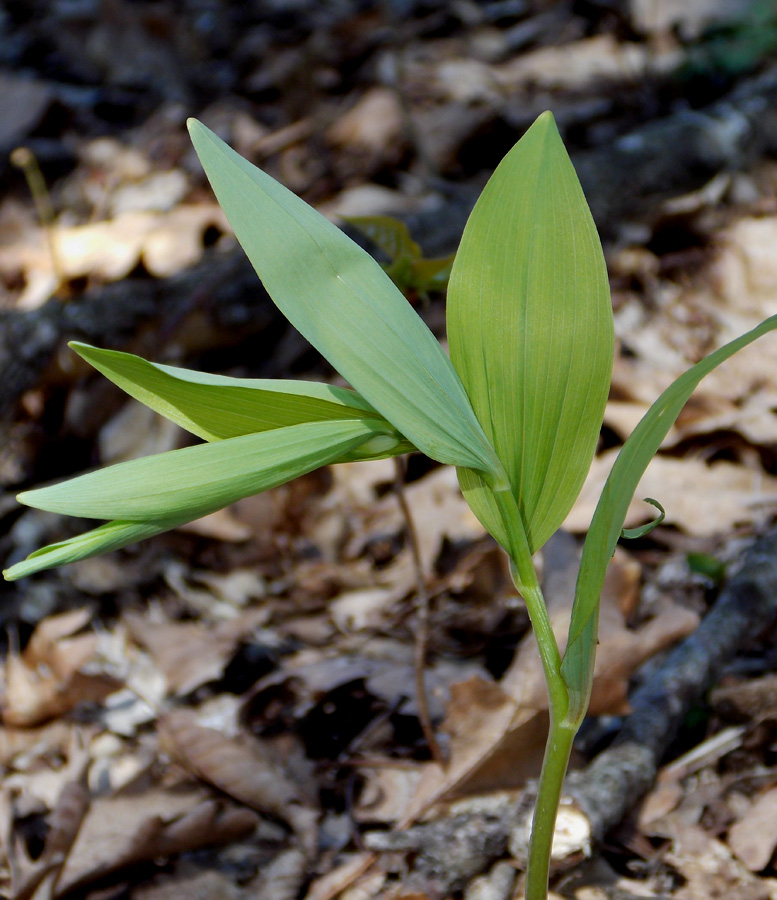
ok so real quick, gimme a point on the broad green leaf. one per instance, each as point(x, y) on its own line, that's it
point(343, 302)
point(215, 407)
point(111, 536)
point(607, 523)
point(195, 481)
point(530, 331)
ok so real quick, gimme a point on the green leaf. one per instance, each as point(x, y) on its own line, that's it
point(388, 234)
point(343, 302)
point(111, 536)
point(215, 407)
point(607, 523)
point(431, 274)
point(530, 331)
point(193, 482)
point(407, 267)
point(707, 565)
point(633, 533)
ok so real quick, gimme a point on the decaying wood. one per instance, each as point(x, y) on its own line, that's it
point(452, 850)
point(667, 157)
point(630, 177)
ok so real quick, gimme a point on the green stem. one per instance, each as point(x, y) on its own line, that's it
point(525, 578)
point(561, 735)
point(554, 768)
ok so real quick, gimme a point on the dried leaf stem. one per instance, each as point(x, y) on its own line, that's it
point(422, 611)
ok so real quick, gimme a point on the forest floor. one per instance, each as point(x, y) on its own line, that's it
point(228, 710)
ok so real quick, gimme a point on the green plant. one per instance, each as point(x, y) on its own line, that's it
point(407, 267)
point(517, 408)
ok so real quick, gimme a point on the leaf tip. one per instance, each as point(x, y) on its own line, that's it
point(545, 118)
point(79, 347)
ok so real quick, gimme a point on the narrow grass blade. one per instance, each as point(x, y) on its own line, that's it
point(193, 482)
point(215, 407)
point(343, 302)
point(111, 536)
point(610, 514)
point(530, 331)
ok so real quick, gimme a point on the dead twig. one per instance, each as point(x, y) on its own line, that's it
point(422, 610)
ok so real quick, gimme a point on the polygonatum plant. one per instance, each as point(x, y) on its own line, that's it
point(517, 407)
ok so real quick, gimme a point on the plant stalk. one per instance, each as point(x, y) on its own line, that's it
point(561, 734)
point(554, 768)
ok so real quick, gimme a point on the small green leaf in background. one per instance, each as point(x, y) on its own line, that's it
point(607, 523)
point(389, 235)
point(531, 333)
point(342, 301)
point(709, 566)
point(407, 267)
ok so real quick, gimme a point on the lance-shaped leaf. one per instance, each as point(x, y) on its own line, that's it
point(215, 407)
point(198, 480)
point(110, 536)
point(530, 331)
point(342, 301)
point(610, 514)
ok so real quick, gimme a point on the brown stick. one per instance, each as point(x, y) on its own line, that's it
point(422, 610)
point(598, 797)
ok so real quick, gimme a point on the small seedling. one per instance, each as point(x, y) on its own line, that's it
point(410, 271)
point(517, 407)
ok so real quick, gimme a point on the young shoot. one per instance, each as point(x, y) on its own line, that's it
point(517, 407)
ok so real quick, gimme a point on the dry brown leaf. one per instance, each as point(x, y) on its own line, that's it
point(127, 830)
point(386, 793)
point(46, 680)
point(372, 125)
point(342, 876)
point(753, 700)
point(498, 731)
point(703, 500)
point(242, 767)
point(190, 654)
point(753, 837)
point(438, 510)
point(668, 790)
point(136, 430)
point(165, 242)
point(221, 525)
point(745, 269)
point(48, 740)
point(369, 609)
point(623, 650)
point(711, 872)
point(206, 885)
point(582, 64)
point(40, 879)
point(689, 17)
point(282, 878)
